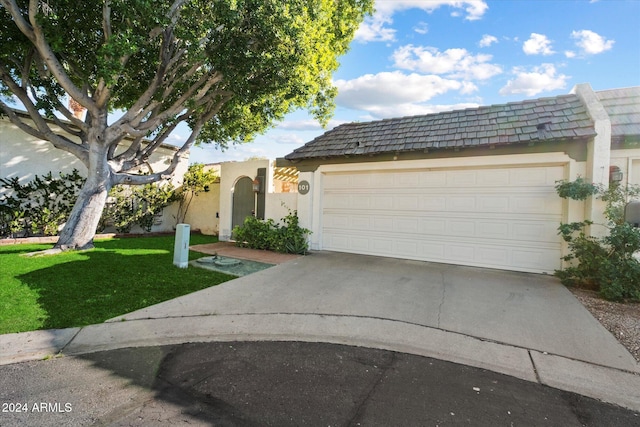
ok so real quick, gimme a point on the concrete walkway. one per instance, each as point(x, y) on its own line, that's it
point(527, 326)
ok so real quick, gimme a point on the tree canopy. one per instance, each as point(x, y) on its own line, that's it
point(227, 68)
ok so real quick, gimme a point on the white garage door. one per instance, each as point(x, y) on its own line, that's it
point(500, 217)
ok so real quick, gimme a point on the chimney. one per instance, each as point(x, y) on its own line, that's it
point(77, 109)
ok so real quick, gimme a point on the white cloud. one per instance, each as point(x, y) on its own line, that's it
point(475, 9)
point(422, 28)
point(394, 94)
point(289, 138)
point(591, 43)
point(538, 44)
point(376, 28)
point(307, 125)
point(454, 63)
point(487, 40)
point(404, 110)
point(392, 87)
point(569, 54)
point(468, 88)
point(540, 79)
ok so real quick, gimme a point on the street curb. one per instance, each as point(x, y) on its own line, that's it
point(603, 383)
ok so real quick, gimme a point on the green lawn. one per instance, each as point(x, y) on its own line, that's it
point(82, 288)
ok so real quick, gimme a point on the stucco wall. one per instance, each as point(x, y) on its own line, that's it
point(628, 160)
point(203, 212)
point(230, 173)
point(24, 156)
point(277, 205)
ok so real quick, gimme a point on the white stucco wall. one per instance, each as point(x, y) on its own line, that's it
point(203, 212)
point(24, 156)
point(230, 173)
point(628, 160)
point(277, 205)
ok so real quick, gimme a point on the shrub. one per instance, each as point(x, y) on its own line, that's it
point(268, 235)
point(604, 264)
point(43, 205)
point(139, 205)
point(38, 207)
point(195, 181)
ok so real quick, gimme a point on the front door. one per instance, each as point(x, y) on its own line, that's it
point(243, 201)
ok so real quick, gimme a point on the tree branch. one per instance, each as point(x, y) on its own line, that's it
point(58, 141)
point(106, 19)
point(34, 32)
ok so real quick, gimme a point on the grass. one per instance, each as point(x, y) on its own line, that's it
point(83, 288)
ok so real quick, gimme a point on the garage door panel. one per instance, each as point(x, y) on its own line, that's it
point(406, 225)
point(467, 225)
point(432, 203)
point(461, 228)
point(493, 203)
point(493, 178)
point(541, 231)
point(462, 178)
point(469, 252)
point(494, 230)
point(379, 245)
point(432, 179)
point(382, 202)
point(493, 217)
point(432, 226)
point(360, 243)
point(458, 203)
point(360, 202)
point(402, 202)
point(408, 248)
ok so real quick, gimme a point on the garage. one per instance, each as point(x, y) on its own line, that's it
point(490, 217)
point(473, 187)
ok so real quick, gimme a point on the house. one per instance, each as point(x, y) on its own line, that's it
point(472, 187)
point(24, 156)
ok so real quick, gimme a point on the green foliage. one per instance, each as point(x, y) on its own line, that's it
point(41, 206)
point(273, 56)
point(576, 190)
point(268, 235)
point(38, 207)
point(139, 205)
point(195, 181)
point(228, 69)
point(606, 264)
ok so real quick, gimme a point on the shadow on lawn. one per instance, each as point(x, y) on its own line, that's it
point(107, 284)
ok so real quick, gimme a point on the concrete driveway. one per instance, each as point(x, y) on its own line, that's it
point(524, 310)
point(525, 325)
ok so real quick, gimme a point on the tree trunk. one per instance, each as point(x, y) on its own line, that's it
point(80, 229)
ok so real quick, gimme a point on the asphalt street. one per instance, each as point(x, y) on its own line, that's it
point(282, 384)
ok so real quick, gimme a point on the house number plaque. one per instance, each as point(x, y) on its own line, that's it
point(303, 187)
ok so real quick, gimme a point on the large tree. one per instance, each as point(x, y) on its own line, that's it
point(227, 68)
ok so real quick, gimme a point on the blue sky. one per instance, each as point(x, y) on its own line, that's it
point(426, 56)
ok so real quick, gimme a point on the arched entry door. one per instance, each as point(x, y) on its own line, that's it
point(243, 201)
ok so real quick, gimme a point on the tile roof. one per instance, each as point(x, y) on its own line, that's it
point(623, 108)
point(545, 119)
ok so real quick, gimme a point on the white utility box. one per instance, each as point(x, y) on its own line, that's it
point(181, 246)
